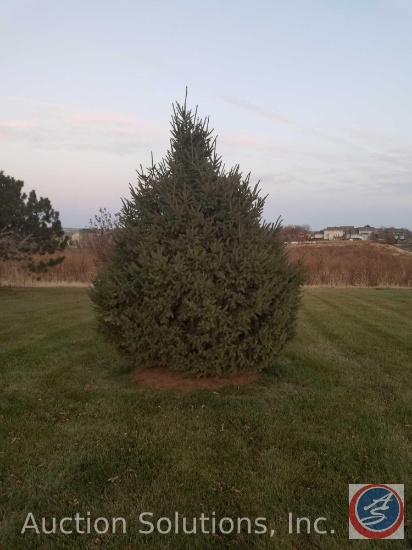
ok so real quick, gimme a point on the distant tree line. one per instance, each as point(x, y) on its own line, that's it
point(292, 233)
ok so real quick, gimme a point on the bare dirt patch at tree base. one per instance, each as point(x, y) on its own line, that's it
point(164, 378)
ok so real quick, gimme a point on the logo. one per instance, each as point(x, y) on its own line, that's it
point(376, 511)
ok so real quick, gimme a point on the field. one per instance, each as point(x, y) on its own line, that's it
point(335, 264)
point(362, 264)
point(80, 434)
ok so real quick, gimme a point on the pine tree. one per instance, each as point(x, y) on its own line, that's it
point(28, 226)
point(196, 280)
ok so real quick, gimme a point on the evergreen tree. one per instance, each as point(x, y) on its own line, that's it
point(28, 225)
point(196, 280)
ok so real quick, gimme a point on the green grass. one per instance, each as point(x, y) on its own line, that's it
point(78, 434)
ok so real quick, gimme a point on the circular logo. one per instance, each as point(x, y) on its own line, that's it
point(376, 511)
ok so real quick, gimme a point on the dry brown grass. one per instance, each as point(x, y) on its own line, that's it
point(77, 269)
point(338, 264)
point(362, 264)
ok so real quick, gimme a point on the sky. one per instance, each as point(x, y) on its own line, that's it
point(313, 97)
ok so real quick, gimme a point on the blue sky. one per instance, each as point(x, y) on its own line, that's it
point(313, 97)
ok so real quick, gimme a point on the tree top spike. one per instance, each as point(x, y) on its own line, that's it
point(185, 99)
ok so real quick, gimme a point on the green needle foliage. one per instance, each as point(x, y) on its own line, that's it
point(28, 226)
point(196, 280)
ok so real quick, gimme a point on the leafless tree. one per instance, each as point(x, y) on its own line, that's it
point(100, 234)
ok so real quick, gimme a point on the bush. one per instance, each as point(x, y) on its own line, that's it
point(196, 280)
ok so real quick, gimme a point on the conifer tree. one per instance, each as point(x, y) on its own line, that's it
point(196, 280)
point(28, 226)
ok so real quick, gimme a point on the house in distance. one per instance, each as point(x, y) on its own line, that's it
point(365, 233)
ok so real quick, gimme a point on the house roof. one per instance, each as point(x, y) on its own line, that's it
point(339, 228)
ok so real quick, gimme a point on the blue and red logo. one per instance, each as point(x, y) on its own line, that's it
point(376, 511)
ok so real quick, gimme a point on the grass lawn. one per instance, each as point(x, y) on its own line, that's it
point(79, 434)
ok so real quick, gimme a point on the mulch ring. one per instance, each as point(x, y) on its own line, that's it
point(164, 378)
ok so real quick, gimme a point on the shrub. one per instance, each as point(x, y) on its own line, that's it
point(196, 280)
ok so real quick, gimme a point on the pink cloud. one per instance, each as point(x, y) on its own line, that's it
point(101, 117)
point(115, 123)
point(108, 118)
point(14, 124)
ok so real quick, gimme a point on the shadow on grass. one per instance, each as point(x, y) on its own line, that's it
point(280, 369)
